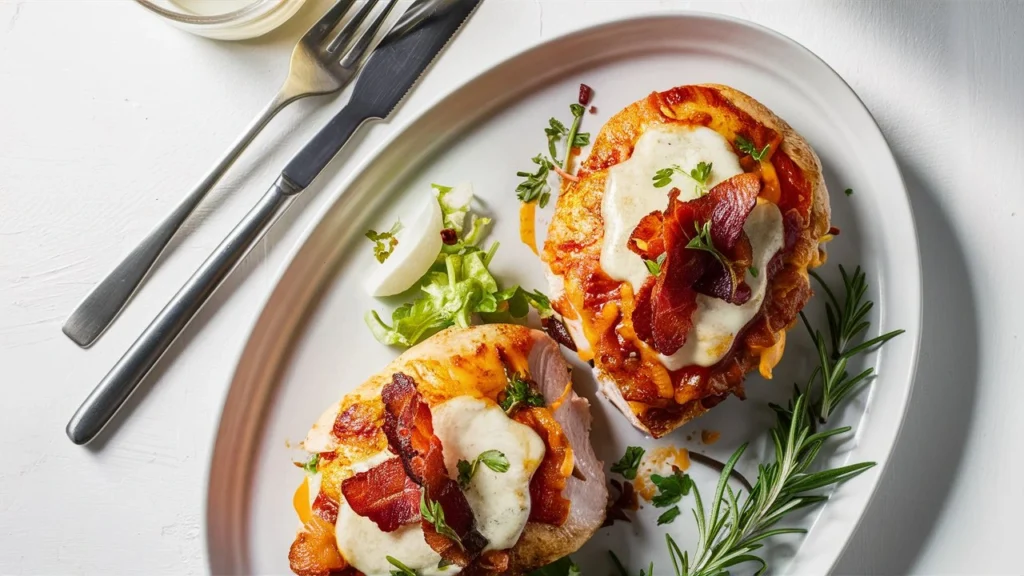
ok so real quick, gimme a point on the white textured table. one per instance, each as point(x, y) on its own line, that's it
point(107, 116)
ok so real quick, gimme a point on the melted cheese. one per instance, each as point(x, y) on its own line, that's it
point(717, 322)
point(500, 500)
point(630, 195)
point(466, 427)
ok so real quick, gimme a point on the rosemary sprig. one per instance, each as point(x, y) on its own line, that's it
point(734, 527)
point(846, 323)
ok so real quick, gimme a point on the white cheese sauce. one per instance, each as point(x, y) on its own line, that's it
point(630, 195)
point(500, 501)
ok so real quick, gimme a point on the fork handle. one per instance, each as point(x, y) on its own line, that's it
point(102, 305)
point(112, 392)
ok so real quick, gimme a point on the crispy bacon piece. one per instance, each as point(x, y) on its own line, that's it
point(384, 494)
point(665, 304)
point(547, 505)
point(409, 428)
point(315, 551)
point(648, 238)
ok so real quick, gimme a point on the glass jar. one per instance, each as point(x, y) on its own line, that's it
point(224, 19)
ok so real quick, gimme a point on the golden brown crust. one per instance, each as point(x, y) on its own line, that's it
point(796, 147)
point(599, 309)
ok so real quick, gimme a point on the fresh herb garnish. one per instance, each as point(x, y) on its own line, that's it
point(556, 131)
point(700, 174)
point(575, 139)
point(663, 177)
point(671, 488)
point(630, 461)
point(848, 191)
point(310, 465)
point(753, 271)
point(535, 186)
point(519, 392)
point(668, 516)
point(702, 241)
point(736, 526)
point(433, 513)
point(654, 266)
point(401, 569)
point(493, 459)
point(384, 242)
point(747, 146)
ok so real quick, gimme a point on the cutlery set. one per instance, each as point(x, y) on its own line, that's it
point(322, 63)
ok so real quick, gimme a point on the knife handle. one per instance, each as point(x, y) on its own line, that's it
point(112, 392)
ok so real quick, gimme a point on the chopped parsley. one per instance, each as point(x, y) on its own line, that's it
point(630, 461)
point(534, 186)
point(668, 516)
point(493, 459)
point(384, 242)
point(519, 392)
point(848, 191)
point(671, 489)
point(748, 147)
point(753, 271)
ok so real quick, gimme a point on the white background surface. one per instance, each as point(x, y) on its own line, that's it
point(107, 116)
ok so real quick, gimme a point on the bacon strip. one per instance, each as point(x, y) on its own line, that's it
point(409, 428)
point(665, 304)
point(547, 505)
point(384, 494)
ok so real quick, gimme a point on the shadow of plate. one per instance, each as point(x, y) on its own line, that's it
point(928, 455)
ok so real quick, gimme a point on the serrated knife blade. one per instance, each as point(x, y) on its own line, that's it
point(389, 73)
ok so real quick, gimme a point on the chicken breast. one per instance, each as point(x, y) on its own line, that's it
point(679, 258)
point(462, 376)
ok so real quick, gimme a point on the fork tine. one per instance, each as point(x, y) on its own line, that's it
point(349, 30)
point(353, 56)
point(328, 21)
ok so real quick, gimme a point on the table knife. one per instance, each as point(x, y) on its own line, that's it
point(389, 73)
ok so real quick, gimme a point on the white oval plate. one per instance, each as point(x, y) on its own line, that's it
point(310, 345)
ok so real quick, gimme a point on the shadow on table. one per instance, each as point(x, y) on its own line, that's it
point(927, 457)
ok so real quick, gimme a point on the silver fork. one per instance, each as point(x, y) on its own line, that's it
point(321, 64)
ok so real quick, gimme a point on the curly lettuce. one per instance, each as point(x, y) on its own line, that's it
point(459, 287)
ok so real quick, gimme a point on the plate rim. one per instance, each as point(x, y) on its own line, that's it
point(255, 344)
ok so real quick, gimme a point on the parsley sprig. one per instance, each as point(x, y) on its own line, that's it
point(384, 242)
point(748, 147)
point(700, 174)
point(493, 459)
point(534, 186)
point(702, 241)
point(519, 392)
point(671, 490)
point(734, 527)
point(432, 512)
point(629, 463)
